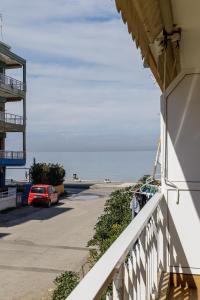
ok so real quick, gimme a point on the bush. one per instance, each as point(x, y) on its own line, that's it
point(56, 174)
point(116, 217)
point(42, 173)
point(65, 283)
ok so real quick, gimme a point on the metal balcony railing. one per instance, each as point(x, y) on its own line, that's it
point(11, 118)
point(130, 267)
point(12, 83)
point(11, 155)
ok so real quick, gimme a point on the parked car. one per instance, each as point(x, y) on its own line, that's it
point(42, 193)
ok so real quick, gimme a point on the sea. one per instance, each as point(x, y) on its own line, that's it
point(123, 166)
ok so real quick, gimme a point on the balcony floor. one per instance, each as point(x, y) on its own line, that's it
point(183, 293)
point(179, 287)
point(9, 127)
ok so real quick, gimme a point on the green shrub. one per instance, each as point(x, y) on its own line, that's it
point(65, 283)
point(42, 173)
point(116, 217)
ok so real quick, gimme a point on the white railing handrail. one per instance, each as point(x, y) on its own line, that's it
point(96, 279)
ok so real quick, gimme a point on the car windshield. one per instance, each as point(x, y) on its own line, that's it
point(38, 190)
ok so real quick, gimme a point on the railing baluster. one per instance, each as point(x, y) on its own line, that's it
point(138, 271)
point(134, 264)
point(155, 256)
point(118, 284)
point(126, 281)
point(142, 265)
point(148, 261)
point(130, 271)
point(152, 257)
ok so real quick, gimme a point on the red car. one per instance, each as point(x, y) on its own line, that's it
point(42, 193)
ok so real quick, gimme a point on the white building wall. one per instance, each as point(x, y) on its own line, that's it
point(186, 16)
point(180, 135)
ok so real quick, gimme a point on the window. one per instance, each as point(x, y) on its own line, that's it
point(38, 190)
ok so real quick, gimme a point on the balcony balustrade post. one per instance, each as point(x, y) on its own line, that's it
point(147, 263)
point(155, 243)
point(118, 284)
point(151, 256)
point(126, 281)
point(130, 272)
point(133, 256)
point(138, 286)
point(142, 242)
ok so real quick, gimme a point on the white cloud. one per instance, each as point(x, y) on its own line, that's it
point(84, 74)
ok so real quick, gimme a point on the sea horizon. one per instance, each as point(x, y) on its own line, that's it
point(125, 166)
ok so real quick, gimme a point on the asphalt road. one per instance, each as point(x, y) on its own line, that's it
point(36, 244)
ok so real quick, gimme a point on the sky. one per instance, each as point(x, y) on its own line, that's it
point(87, 88)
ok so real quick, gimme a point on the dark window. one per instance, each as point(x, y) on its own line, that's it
point(38, 190)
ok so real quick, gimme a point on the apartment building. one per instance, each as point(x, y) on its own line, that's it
point(12, 91)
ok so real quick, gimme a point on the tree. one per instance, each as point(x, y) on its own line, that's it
point(56, 174)
point(42, 173)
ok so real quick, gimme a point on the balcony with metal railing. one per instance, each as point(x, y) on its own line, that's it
point(12, 158)
point(131, 267)
point(11, 88)
point(11, 122)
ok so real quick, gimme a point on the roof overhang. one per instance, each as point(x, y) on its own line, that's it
point(152, 28)
point(10, 59)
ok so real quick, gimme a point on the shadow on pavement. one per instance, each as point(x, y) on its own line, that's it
point(76, 188)
point(26, 214)
point(2, 235)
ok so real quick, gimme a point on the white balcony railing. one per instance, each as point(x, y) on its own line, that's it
point(11, 118)
point(11, 154)
point(8, 199)
point(130, 266)
point(12, 83)
point(10, 193)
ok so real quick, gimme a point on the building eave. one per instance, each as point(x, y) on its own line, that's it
point(146, 22)
point(9, 58)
